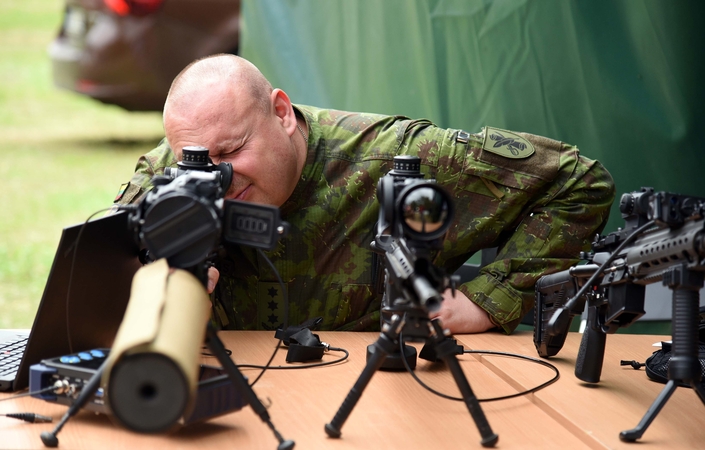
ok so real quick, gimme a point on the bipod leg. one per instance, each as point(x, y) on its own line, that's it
point(49, 439)
point(385, 344)
point(445, 350)
point(684, 365)
point(638, 431)
point(218, 349)
point(699, 389)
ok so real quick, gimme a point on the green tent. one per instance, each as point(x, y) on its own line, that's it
point(618, 78)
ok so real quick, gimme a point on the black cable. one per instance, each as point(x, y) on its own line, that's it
point(73, 262)
point(609, 260)
point(286, 314)
point(206, 352)
point(302, 366)
point(29, 417)
point(41, 391)
point(487, 352)
point(526, 358)
point(266, 366)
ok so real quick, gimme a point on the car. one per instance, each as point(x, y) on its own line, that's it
point(127, 52)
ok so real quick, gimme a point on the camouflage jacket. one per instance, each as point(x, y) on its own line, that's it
point(534, 198)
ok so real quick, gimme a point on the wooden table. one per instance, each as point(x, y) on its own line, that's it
point(394, 412)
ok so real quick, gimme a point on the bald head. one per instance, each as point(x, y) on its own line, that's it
point(225, 104)
point(223, 73)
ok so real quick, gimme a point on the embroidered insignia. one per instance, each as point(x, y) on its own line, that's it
point(270, 301)
point(507, 144)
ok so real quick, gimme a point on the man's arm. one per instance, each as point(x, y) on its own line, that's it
point(148, 165)
point(548, 239)
point(459, 315)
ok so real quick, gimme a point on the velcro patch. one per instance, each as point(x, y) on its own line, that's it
point(121, 191)
point(507, 144)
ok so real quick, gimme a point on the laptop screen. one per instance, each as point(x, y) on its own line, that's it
point(86, 295)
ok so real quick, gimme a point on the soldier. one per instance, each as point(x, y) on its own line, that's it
point(534, 198)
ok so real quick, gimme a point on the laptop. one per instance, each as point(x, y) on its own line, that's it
point(89, 315)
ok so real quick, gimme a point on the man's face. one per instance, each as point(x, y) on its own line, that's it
point(238, 131)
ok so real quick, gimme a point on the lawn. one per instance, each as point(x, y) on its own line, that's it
point(64, 155)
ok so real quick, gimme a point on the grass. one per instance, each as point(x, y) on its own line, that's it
point(64, 155)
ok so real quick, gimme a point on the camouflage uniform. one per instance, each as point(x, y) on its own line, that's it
point(535, 198)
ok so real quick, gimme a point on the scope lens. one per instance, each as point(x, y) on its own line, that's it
point(425, 210)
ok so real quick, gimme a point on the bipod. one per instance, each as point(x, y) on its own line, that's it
point(386, 344)
point(684, 365)
point(215, 345)
point(49, 438)
point(217, 348)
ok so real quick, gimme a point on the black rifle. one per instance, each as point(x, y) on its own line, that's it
point(663, 240)
point(414, 217)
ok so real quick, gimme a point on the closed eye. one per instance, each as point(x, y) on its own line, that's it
point(218, 157)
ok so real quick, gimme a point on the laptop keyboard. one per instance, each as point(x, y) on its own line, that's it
point(10, 356)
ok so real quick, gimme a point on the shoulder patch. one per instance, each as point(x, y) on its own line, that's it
point(121, 192)
point(127, 193)
point(507, 144)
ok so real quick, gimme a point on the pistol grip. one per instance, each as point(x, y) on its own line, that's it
point(591, 354)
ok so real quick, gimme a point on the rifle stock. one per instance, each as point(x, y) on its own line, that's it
point(552, 293)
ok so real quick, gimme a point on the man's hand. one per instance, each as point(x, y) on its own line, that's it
point(213, 276)
point(460, 315)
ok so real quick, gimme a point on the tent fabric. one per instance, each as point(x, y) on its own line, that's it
point(619, 78)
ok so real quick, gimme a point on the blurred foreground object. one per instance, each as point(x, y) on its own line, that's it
point(127, 52)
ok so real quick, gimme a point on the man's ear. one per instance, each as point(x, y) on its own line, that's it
point(283, 110)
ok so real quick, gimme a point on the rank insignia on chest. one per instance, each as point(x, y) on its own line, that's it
point(270, 305)
point(507, 144)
